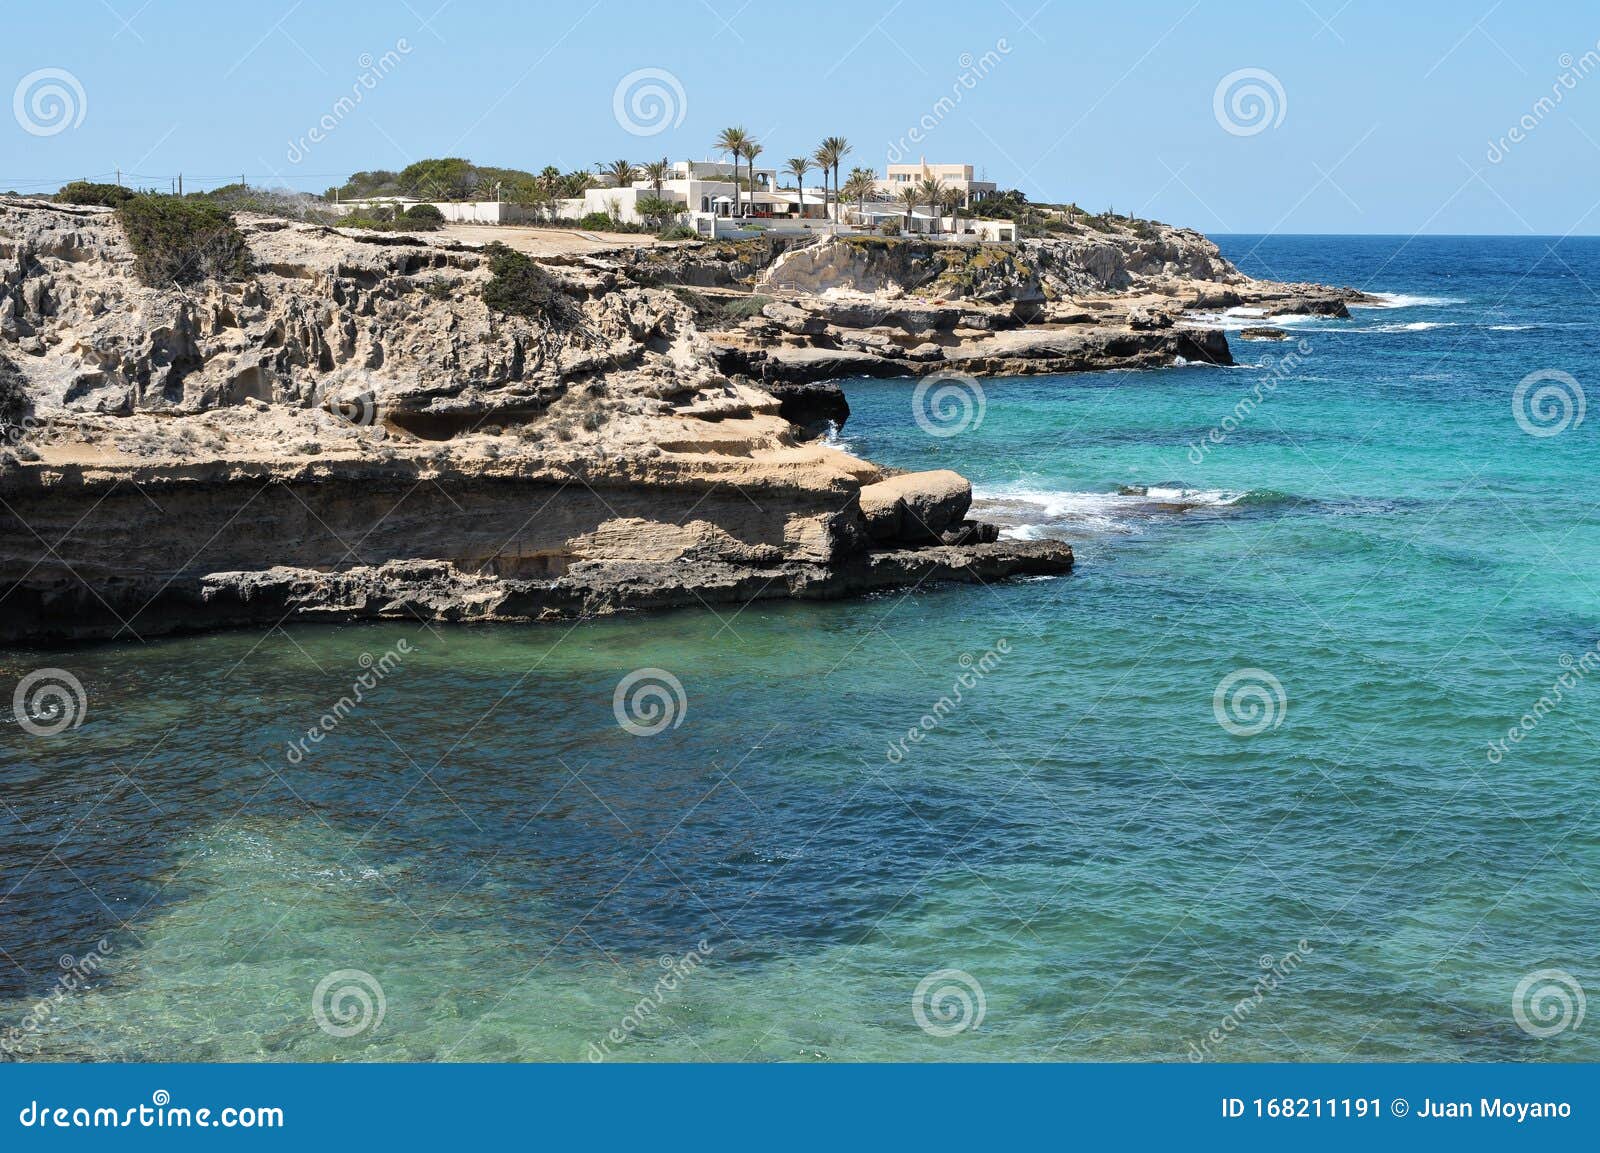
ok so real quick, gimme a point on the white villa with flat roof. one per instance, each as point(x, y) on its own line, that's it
point(705, 188)
point(959, 176)
point(705, 191)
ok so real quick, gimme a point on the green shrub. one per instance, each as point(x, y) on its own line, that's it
point(658, 211)
point(745, 307)
point(424, 216)
point(84, 192)
point(519, 287)
point(417, 218)
point(678, 232)
point(597, 222)
point(278, 202)
point(181, 241)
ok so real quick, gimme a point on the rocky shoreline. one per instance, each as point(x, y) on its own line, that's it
point(350, 432)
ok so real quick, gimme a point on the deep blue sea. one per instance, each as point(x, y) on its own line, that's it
point(1242, 787)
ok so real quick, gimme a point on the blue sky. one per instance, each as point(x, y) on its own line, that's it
point(1374, 117)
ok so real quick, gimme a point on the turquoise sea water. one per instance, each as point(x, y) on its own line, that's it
point(1384, 567)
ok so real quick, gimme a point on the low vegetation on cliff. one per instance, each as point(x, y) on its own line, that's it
point(87, 192)
point(176, 241)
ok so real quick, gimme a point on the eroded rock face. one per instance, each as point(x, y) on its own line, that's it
point(350, 433)
point(915, 507)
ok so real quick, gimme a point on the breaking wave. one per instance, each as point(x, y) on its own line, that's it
point(1407, 300)
point(1029, 513)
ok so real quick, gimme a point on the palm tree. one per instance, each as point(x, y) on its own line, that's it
point(932, 191)
point(658, 172)
point(798, 166)
point(860, 184)
point(751, 151)
point(910, 198)
point(951, 201)
point(622, 172)
point(832, 150)
point(575, 184)
point(733, 141)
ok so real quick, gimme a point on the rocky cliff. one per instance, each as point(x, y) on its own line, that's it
point(350, 432)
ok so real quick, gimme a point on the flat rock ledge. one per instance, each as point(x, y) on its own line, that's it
point(437, 591)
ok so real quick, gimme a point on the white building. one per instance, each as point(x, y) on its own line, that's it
point(957, 176)
point(706, 194)
point(704, 188)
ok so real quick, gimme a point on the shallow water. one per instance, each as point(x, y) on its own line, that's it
point(1104, 862)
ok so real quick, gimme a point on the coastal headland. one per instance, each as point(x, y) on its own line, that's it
point(505, 424)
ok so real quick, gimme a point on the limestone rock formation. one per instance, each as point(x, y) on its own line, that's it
point(350, 432)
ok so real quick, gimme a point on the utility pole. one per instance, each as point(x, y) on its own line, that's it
point(180, 184)
point(119, 176)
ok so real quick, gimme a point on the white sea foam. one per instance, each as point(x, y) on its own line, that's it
point(1026, 513)
point(1235, 319)
point(1414, 326)
point(832, 438)
point(1407, 300)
